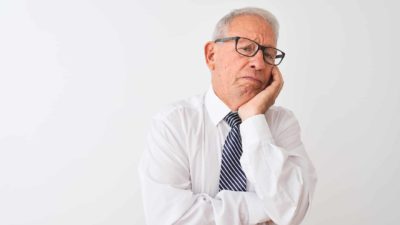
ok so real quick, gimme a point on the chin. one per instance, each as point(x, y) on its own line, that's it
point(248, 93)
point(251, 90)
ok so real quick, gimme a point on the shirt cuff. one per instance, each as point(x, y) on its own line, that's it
point(262, 161)
point(257, 213)
point(255, 128)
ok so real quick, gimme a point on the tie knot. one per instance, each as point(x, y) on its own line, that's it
point(233, 119)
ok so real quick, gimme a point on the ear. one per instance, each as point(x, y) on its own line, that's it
point(209, 53)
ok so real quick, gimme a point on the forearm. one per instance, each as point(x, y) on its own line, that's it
point(227, 208)
point(175, 204)
point(282, 177)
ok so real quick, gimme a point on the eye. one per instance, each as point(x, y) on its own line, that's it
point(268, 56)
point(247, 49)
point(270, 53)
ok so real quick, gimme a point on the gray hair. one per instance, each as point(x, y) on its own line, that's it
point(223, 24)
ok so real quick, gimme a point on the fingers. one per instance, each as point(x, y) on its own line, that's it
point(277, 80)
point(260, 103)
point(277, 76)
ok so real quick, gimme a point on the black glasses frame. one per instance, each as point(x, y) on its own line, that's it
point(279, 56)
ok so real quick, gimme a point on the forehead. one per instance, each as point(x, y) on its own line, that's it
point(252, 27)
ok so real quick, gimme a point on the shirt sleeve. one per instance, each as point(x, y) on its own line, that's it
point(166, 187)
point(277, 166)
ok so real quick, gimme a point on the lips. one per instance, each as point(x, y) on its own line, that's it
point(252, 79)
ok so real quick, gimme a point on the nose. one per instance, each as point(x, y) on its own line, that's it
point(257, 61)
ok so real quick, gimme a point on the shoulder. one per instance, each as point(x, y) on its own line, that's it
point(279, 117)
point(180, 111)
point(279, 112)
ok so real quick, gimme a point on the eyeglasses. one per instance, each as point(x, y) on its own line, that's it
point(249, 48)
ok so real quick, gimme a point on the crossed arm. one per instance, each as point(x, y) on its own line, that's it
point(281, 178)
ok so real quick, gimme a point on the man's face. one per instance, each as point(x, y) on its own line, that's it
point(237, 78)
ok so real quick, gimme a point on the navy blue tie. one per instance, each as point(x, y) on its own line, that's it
point(232, 176)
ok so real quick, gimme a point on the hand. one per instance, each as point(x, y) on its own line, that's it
point(260, 103)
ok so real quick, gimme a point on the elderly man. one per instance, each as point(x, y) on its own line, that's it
point(230, 156)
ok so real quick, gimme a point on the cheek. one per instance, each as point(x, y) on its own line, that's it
point(225, 70)
point(229, 67)
point(267, 74)
point(233, 68)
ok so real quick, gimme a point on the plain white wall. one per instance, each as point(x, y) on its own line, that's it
point(80, 80)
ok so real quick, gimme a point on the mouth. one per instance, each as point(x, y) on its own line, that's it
point(251, 79)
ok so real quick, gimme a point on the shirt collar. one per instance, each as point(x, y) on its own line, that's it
point(216, 108)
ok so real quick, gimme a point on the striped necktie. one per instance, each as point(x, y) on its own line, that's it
point(232, 176)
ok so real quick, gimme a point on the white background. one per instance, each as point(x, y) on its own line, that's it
point(80, 80)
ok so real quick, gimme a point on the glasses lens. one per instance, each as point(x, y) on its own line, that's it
point(246, 47)
point(269, 55)
point(249, 48)
point(273, 56)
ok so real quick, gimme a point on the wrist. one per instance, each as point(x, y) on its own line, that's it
point(247, 114)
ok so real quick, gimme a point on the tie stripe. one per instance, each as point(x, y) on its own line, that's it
point(232, 176)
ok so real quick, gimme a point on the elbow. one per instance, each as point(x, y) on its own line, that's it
point(292, 200)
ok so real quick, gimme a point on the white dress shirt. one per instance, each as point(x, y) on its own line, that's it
point(180, 167)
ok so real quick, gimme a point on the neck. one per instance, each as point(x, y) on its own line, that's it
point(233, 102)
